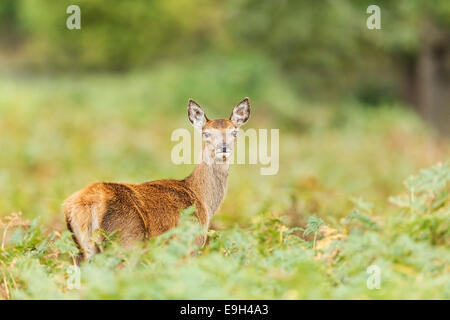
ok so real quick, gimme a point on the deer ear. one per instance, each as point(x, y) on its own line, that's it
point(241, 113)
point(196, 114)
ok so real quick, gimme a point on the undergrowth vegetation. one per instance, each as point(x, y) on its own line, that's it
point(267, 260)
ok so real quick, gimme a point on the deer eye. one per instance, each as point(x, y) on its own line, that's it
point(234, 133)
point(206, 134)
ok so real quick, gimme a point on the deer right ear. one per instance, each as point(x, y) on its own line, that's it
point(241, 113)
point(196, 114)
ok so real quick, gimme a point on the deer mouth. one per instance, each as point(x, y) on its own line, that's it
point(223, 156)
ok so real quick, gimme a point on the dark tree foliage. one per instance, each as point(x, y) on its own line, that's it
point(323, 47)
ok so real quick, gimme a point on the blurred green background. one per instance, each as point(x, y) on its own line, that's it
point(358, 110)
point(100, 103)
point(324, 49)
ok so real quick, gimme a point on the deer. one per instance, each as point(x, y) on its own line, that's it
point(143, 211)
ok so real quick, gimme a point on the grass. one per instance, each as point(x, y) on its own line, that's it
point(336, 206)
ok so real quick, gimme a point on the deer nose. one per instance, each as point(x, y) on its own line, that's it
point(222, 148)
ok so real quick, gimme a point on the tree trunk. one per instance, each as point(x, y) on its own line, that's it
point(432, 83)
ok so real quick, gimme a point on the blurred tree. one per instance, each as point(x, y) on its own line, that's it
point(8, 23)
point(326, 49)
point(115, 35)
point(323, 47)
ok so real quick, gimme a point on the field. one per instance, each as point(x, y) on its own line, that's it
point(349, 194)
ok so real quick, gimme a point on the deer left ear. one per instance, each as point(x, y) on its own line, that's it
point(241, 113)
point(196, 114)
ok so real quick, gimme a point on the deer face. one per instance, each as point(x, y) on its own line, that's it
point(218, 135)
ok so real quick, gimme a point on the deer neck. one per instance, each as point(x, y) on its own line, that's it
point(209, 182)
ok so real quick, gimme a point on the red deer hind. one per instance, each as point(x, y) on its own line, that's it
point(146, 210)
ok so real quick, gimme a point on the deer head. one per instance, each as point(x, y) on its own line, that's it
point(218, 135)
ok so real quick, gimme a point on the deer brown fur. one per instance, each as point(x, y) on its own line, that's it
point(146, 210)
